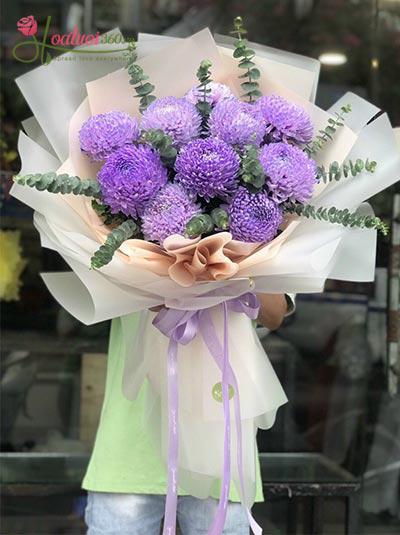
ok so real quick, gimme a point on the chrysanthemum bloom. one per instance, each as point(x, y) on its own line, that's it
point(174, 116)
point(104, 133)
point(217, 93)
point(130, 177)
point(237, 123)
point(208, 168)
point(285, 121)
point(253, 217)
point(167, 213)
point(291, 174)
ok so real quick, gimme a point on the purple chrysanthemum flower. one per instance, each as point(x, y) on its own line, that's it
point(167, 213)
point(130, 177)
point(253, 217)
point(237, 123)
point(208, 168)
point(174, 116)
point(285, 121)
point(291, 174)
point(104, 133)
point(217, 93)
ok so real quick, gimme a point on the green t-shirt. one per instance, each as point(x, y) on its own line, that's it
point(124, 458)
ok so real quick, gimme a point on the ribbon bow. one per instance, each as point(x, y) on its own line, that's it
point(181, 327)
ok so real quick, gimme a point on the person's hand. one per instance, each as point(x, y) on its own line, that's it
point(273, 308)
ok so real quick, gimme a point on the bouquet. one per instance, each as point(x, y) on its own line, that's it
point(220, 179)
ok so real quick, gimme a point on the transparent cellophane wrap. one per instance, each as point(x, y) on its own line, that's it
point(62, 96)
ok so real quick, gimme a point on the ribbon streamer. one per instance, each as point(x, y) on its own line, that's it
point(181, 327)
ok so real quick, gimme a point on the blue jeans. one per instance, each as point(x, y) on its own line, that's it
point(109, 513)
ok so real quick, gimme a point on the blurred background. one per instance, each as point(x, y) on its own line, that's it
point(331, 463)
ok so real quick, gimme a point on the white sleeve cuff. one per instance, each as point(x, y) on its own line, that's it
point(291, 303)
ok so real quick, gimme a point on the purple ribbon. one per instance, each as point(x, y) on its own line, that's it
point(181, 326)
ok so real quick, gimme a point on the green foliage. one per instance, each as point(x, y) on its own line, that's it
point(114, 240)
point(336, 171)
point(329, 131)
point(245, 56)
point(341, 217)
point(198, 225)
point(161, 142)
point(60, 184)
point(220, 218)
point(251, 171)
point(138, 78)
point(130, 55)
point(104, 212)
point(204, 76)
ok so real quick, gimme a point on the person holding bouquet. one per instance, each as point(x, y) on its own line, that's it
point(126, 479)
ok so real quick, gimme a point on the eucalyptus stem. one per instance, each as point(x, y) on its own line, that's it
point(105, 214)
point(162, 142)
point(114, 240)
point(204, 77)
point(198, 225)
point(251, 87)
point(328, 132)
point(251, 171)
point(220, 218)
point(335, 215)
point(336, 171)
point(63, 183)
point(137, 77)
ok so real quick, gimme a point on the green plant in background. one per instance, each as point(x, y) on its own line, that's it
point(138, 78)
point(8, 155)
point(11, 264)
point(245, 55)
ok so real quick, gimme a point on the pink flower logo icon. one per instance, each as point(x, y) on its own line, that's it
point(27, 26)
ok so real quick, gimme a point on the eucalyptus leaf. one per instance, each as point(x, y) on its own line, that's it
point(251, 87)
point(63, 183)
point(113, 241)
point(336, 216)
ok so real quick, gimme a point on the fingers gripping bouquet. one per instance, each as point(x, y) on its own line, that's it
point(220, 180)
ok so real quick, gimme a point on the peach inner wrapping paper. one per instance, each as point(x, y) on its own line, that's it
point(187, 261)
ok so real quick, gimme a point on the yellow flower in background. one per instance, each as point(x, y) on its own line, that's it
point(11, 264)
